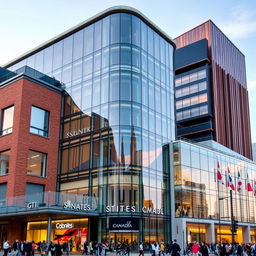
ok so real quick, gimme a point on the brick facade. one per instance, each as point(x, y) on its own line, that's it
point(23, 93)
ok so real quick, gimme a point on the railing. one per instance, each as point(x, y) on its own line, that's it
point(49, 200)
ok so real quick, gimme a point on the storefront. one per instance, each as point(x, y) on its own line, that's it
point(72, 231)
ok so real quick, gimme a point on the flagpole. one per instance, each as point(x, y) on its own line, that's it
point(218, 189)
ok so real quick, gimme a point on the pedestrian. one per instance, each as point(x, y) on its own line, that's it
point(6, 247)
point(58, 251)
point(85, 251)
point(141, 249)
point(162, 248)
point(204, 249)
point(195, 249)
point(175, 248)
point(65, 248)
point(43, 248)
point(153, 248)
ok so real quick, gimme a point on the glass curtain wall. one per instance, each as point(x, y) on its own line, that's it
point(120, 113)
point(197, 191)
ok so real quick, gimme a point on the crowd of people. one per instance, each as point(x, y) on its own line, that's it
point(220, 249)
point(29, 248)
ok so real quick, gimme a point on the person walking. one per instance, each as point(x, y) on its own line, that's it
point(6, 247)
point(204, 249)
point(195, 249)
point(153, 248)
point(162, 248)
point(141, 249)
point(58, 251)
point(43, 248)
point(175, 248)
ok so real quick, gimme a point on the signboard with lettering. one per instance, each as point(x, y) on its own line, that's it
point(123, 224)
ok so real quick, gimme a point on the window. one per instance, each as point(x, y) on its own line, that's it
point(4, 162)
point(36, 164)
point(39, 123)
point(7, 120)
point(2, 194)
point(34, 193)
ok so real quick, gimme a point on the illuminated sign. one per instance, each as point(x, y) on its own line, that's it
point(123, 224)
point(127, 208)
point(120, 208)
point(64, 225)
point(76, 206)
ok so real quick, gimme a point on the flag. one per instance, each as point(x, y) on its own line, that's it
point(248, 184)
point(254, 188)
point(230, 181)
point(219, 176)
point(239, 182)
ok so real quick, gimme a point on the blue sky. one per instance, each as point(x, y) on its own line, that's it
point(26, 24)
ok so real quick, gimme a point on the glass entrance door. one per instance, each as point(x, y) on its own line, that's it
point(130, 237)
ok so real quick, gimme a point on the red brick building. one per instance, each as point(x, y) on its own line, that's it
point(29, 155)
point(23, 93)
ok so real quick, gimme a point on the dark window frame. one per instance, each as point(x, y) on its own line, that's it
point(45, 131)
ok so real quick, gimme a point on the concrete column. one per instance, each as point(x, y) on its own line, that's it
point(210, 233)
point(180, 233)
point(49, 229)
point(246, 234)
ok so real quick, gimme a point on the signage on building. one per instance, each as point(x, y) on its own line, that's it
point(120, 208)
point(64, 225)
point(32, 205)
point(123, 224)
point(78, 132)
point(76, 206)
point(127, 208)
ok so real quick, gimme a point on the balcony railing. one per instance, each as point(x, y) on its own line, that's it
point(49, 200)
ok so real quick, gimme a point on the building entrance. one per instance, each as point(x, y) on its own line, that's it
point(130, 237)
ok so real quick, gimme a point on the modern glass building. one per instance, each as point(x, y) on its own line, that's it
point(118, 117)
point(202, 204)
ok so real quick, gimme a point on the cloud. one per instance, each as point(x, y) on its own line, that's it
point(242, 23)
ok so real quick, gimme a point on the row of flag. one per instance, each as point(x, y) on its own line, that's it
point(239, 182)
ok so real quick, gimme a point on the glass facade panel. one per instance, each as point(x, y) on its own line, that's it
point(197, 190)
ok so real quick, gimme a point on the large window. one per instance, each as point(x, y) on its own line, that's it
point(36, 164)
point(4, 162)
point(39, 123)
point(7, 120)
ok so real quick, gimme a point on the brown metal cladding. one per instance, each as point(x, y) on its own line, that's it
point(230, 105)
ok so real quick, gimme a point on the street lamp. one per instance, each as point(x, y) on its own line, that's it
point(234, 225)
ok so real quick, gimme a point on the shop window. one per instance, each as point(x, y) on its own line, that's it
point(7, 120)
point(36, 164)
point(4, 162)
point(39, 123)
